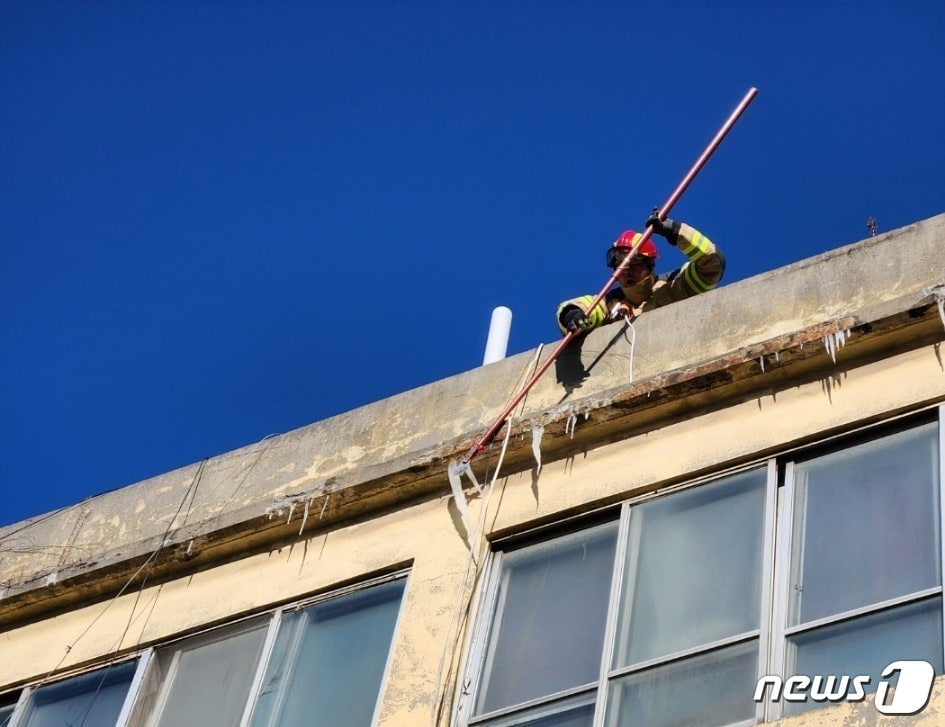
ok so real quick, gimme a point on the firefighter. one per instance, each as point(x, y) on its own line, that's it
point(639, 289)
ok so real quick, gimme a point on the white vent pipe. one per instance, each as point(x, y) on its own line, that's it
point(498, 341)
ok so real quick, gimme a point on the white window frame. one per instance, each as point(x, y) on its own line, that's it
point(780, 627)
point(484, 637)
point(759, 634)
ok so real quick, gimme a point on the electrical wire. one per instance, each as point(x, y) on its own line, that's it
point(149, 564)
point(633, 342)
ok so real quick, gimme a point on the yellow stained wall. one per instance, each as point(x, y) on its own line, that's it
point(427, 536)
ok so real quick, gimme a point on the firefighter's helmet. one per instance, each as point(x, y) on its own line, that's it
point(622, 246)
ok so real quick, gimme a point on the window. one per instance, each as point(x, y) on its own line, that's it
point(865, 561)
point(7, 705)
point(672, 614)
point(326, 658)
point(203, 680)
point(552, 600)
point(683, 619)
point(91, 699)
point(326, 655)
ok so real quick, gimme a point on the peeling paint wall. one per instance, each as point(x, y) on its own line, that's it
point(865, 714)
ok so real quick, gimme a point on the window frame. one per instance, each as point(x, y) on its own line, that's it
point(611, 675)
point(533, 707)
point(774, 631)
point(269, 645)
point(153, 715)
point(23, 702)
point(781, 629)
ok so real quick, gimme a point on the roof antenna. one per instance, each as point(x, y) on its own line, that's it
point(871, 226)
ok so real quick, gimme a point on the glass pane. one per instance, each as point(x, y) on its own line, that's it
point(571, 712)
point(866, 645)
point(93, 699)
point(210, 677)
point(866, 525)
point(329, 659)
point(548, 631)
point(580, 717)
point(6, 710)
point(706, 690)
point(693, 572)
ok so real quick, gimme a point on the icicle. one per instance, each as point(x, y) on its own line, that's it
point(190, 547)
point(324, 506)
point(304, 516)
point(454, 472)
point(777, 356)
point(537, 432)
point(761, 360)
point(291, 510)
point(938, 293)
point(835, 341)
point(571, 424)
point(829, 345)
point(472, 478)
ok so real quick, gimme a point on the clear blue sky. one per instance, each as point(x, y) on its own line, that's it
point(224, 220)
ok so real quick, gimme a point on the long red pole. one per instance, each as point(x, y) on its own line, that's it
point(490, 433)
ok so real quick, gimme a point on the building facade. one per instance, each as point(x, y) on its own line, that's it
point(730, 513)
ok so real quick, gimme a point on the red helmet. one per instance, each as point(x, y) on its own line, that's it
point(625, 243)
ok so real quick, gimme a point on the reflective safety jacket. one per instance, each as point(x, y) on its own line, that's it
point(700, 274)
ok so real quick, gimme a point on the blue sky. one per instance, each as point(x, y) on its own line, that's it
point(225, 220)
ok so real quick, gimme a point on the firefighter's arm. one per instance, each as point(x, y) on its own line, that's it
point(706, 262)
point(595, 318)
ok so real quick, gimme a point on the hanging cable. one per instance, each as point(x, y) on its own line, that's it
point(149, 565)
point(633, 342)
point(474, 544)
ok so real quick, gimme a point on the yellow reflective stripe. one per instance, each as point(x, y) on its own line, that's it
point(596, 316)
point(695, 282)
point(697, 247)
